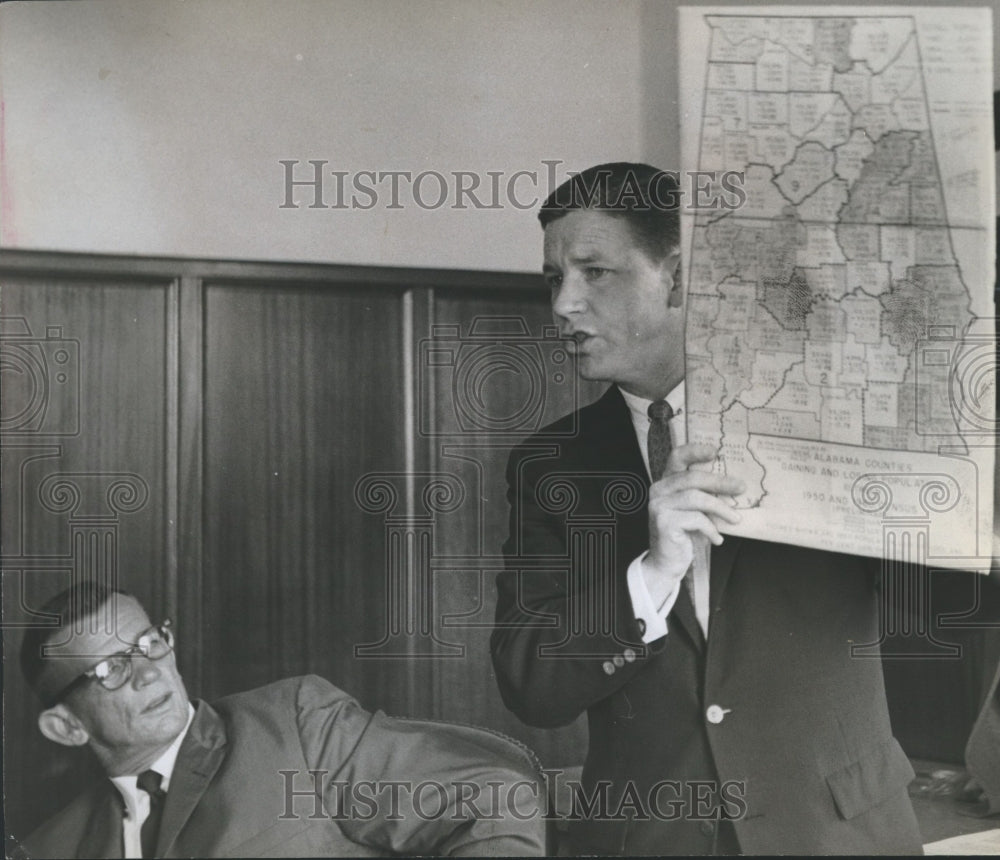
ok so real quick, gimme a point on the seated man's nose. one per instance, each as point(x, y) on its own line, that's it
point(144, 671)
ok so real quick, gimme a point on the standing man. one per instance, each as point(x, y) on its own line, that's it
point(725, 711)
point(294, 769)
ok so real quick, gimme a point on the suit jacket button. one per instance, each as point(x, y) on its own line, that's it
point(707, 828)
point(618, 661)
point(642, 626)
point(629, 655)
point(715, 714)
point(609, 667)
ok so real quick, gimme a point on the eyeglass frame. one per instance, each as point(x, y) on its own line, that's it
point(135, 650)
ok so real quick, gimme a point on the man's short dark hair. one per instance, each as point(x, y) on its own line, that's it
point(646, 197)
point(79, 601)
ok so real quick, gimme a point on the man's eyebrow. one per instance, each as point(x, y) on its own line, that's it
point(590, 257)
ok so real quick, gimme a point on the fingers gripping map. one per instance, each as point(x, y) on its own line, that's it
point(840, 330)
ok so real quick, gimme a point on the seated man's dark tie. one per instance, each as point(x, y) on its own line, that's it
point(149, 782)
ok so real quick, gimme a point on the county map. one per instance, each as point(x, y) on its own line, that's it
point(827, 305)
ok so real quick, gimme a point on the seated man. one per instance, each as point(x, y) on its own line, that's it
point(296, 768)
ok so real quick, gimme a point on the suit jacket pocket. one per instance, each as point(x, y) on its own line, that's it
point(881, 773)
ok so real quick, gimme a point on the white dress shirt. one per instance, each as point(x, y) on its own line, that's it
point(137, 801)
point(655, 617)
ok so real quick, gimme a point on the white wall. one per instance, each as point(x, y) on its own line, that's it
point(157, 127)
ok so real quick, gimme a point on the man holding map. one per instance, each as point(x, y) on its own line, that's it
point(726, 711)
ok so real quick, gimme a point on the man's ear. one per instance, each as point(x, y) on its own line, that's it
point(61, 725)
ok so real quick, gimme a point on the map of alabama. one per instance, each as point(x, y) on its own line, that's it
point(812, 303)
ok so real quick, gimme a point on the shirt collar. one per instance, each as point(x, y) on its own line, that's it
point(639, 406)
point(164, 766)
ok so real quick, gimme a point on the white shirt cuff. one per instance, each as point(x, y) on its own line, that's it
point(653, 622)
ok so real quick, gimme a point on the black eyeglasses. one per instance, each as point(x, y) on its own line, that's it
point(115, 670)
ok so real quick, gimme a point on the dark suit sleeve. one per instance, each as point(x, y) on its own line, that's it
point(982, 751)
point(565, 634)
point(417, 787)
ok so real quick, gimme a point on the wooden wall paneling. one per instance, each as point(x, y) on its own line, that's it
point(84, 485)
point(409, 603)
point(187, 474)
point(507, 377)
point(302, 398)
point(248, 401)
point(171, 466)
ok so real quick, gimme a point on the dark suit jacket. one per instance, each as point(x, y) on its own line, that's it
point(799, 730)
point(228, 796)
point(982, 752)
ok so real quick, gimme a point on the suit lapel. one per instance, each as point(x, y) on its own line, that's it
point(608, 422)
point(613, 428)
point(199, 758)
point(103, 836)
point(683, 612)
point(723, 558)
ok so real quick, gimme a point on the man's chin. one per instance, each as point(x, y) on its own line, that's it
point(589, 367)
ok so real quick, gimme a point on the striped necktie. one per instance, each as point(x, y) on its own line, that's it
point(658, 442)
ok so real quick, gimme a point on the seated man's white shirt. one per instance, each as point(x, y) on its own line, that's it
point(137, 801)
point(655, 617)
